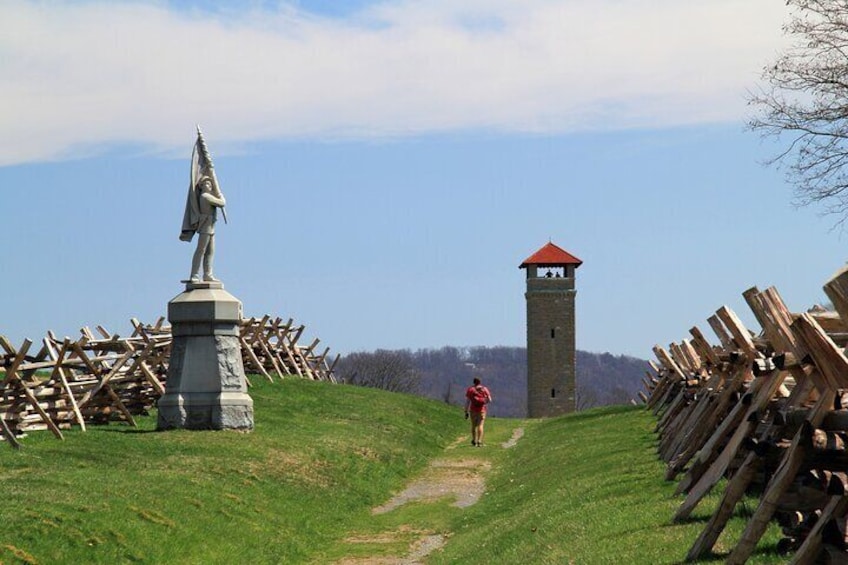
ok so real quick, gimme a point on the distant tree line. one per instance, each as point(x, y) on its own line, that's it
point(445, 373)
point(384, 369)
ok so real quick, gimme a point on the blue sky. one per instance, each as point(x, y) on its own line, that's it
point(388, 165)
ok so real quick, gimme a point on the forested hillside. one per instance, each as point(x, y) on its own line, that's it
point(602, 378)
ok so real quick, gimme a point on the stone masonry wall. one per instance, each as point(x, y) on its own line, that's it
point(550, 346)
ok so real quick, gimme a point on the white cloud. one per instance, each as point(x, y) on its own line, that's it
point(75, 76)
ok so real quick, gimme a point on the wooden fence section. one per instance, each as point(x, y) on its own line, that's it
point(766, 410)
point(269, 346)
point(101, 377)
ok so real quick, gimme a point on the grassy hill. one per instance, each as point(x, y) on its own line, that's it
point(585, 488)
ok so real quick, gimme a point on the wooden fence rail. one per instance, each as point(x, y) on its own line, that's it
point(101, 376)
point(766, 409)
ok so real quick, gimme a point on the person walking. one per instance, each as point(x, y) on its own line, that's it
point(477, 397)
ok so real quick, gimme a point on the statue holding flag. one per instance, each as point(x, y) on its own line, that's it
point(204, 199)
point(206, 387)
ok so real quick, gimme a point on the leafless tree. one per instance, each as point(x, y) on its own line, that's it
point(805, 101)
point(586, 397)
point(388, 370)
point(619, 395)
point(447, 395)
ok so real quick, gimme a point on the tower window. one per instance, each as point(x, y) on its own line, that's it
point(553, 393)
point(553, 333)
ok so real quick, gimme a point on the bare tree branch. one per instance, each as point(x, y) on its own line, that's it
point(806, 103)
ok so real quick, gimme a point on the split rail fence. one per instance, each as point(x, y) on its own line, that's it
point(768, 412)
point(101, 377)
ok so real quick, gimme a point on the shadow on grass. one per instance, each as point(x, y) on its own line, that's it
point(768, 551)
point(122, 430)
point(692, 519)
point(709, 558)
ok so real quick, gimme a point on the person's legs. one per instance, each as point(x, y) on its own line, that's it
point(480, 425)
point(476, 428)
point(208, 259)
point(199, 253)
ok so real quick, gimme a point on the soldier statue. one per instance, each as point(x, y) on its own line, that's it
point(201, 212)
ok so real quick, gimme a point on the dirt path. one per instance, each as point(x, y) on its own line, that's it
point(517, 434)
point(462, 478)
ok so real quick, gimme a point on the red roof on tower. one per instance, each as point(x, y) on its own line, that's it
point(551, 255)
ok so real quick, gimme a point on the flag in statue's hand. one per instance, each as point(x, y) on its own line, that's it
point(201, 164)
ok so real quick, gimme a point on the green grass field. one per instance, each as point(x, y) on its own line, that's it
point(586, 488)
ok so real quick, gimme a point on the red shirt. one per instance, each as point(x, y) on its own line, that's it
point(473, 406)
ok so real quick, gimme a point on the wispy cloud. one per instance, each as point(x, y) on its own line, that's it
point(78, 76)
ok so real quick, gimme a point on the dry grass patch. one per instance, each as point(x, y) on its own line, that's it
point(461, 478)
point(417, 545)
point(20, 554)
point(292, 467)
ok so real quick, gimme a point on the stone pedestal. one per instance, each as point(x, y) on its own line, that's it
point(206, 388)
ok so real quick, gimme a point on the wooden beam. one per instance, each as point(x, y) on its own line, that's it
point(733, 493)
point(737, 329)
point(8, 434)
point(703, 347)
point(721, 334)
point(810, 549)
point(780, 481)
point(827, 356)
point(762, 391)
point(59, 371)
point(837, 290)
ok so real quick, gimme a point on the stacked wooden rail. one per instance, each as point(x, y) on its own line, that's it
point(768, 411)
point(270, 346)
point(101, 376)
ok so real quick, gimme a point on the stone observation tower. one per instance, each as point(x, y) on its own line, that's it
point(550, 331)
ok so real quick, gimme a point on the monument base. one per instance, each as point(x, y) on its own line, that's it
point(206, 411)
point(206, 387)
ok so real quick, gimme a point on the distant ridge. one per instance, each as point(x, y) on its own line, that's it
point(602, 378)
